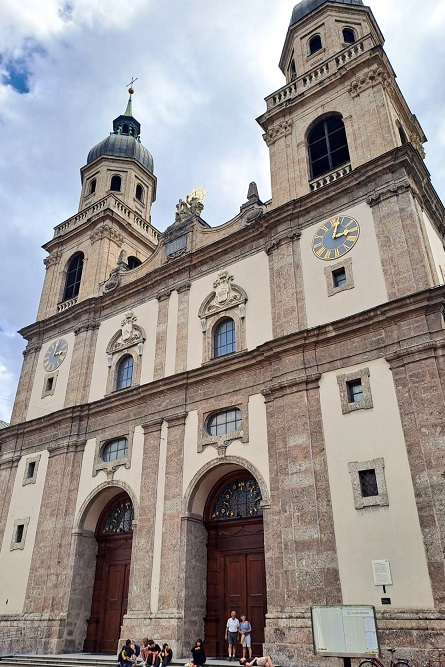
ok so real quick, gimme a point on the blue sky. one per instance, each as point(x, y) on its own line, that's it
point(204, 68)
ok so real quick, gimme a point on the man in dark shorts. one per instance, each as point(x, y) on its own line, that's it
point(232, 628)
point(154, 654)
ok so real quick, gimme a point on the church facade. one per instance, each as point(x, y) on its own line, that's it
point(249, 416)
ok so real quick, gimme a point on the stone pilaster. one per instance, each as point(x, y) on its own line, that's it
point(300, 551)
point(8, 473)
point(161, 335)
point(143, 533)
point(286, 284)
point(182, 333)
point(171, 558)
point(81, 368)
point(50, 575)
point(419, 381)
point(31, 357)
point(405, 260)
point(82, 566)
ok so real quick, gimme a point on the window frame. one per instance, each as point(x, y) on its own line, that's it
point(213, 415)
point(29, 460)
point(215, 332)
point(119, 367)
point(346, 405)
point(113, 441)
point(110, 467)
point(78, 272)
point(19, 545)
point(116, 176)
point(311, 41)
point(330, 150)
point(346, 265)
point(361, 501)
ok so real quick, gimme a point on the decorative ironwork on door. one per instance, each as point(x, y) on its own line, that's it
point(120, 518)
point(239, 499)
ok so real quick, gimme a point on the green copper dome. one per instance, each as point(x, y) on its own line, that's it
point(305, 7)
point(124, 141)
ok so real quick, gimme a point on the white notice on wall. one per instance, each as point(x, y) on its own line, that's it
point(381, 572)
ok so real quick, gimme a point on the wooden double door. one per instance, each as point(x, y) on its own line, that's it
point(235, 581)
point(110, 593)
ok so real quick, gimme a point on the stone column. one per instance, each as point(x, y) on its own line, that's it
point(183, 322)
point(286, 284)
point(161, 335)
point(192, 580)
point(50, 578)
point(420, 388)
point(31, 357)
point(300, 550)
point(81, 368)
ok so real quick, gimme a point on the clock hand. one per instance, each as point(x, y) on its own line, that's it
point(344, 233)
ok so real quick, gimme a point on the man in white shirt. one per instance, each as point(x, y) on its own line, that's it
point(232, 628)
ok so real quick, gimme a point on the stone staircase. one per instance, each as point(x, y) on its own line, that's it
point(84, 660)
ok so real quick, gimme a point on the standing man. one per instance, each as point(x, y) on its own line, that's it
point(232, 628)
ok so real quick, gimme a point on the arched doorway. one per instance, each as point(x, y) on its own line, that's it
point(110, 592)
point(235, 560)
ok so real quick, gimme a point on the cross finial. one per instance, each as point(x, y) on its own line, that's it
point(130, 85)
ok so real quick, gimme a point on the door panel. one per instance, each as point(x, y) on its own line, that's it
point(235, 581)
point(110, 594)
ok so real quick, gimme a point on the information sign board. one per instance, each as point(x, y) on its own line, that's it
point(347, 631)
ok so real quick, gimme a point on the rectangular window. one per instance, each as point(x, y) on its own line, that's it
point(31, 470)
point(339, 277)
point(355, 391)
point(368, 483)
point(19, 532)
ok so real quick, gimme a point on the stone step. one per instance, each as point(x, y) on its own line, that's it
point(88, 660)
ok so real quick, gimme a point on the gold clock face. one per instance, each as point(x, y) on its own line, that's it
point(55, 354)
point(335, 237)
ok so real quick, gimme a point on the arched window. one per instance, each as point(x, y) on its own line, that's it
point(92, 186)
point(114, 450)
point(119, 519)
point(225, 422)
point(224, 340)
point(314, 44)
point(139, 192)
point(115, 185)
point(239, 499)
point(73, 276)
point(328, 147)
point(348, 36)
point(402, 135)
point(292, 70)
point(133, 262)
point(124, 372)
point(125, 129)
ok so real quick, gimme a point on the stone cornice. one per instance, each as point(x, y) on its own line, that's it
point(290, 386)
point(316, 350)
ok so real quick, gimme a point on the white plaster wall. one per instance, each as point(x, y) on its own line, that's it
point(437, 250)
point(38, 406)
point(88, 484)
point(172, 328)
point(255, 451)
point(369, 289)
point(252, 274)
point(15, 565)
point(374, 533)
point(147, 319)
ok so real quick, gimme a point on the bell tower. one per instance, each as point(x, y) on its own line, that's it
point(111, 232)
point(340, 107)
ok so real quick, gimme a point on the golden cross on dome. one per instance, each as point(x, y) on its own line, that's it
point(130, 85)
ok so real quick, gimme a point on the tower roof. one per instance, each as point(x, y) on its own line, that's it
point(124, 141)
point(305, 7)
